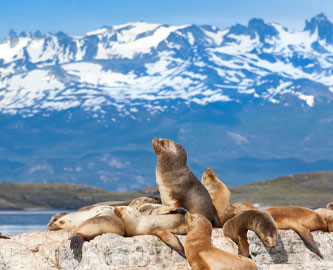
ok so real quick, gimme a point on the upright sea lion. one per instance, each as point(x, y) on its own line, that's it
point(218, 191)
point(301, 220)
point(327, 215)
point(203, 255)
point(255, 220)
point(238, 208)
point(3, 237)
point(89, 229)
point(163, 226)
point(72, 220)
point(330, 206)
point(178, 186)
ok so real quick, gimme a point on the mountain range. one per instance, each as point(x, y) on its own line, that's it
point(252, 102)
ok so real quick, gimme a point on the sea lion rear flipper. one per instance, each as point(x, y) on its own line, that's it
point(307, 239)
point(171, 240)
point(76, 246)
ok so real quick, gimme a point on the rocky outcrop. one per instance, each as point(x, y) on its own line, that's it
point(50, 250)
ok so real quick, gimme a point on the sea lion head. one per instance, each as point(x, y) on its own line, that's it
point(169, 150)
point(52, 226)
point(208, 177)
point(61, 224)
point(330, 206)
point(267, 230)
point(197, 221)
point(138, 202)
point(126, 213)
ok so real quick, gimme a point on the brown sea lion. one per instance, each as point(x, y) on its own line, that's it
point(219, 192)
point(163, 226)
point(93, 227)
point(238, 208)
point(255, 220)
point(203, 255)
point(301, 220)
point(3, 237)
point(327, 215)
point(178, 186)
point(330, 206)
point(72, 220)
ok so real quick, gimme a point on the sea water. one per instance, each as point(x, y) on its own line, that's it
point(22, 221)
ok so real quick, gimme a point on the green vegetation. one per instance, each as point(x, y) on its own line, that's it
point(309, 189)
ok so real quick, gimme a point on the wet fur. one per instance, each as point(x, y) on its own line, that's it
point(178, 186)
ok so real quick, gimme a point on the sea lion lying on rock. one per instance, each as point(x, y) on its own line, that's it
point(70, 221)
point(255, 220)
point(203, 255)
point(327, 215)
point(163, 226)
point(218, 191)
point(301, 220)
point(178, 186)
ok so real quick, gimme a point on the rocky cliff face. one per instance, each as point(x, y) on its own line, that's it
point(50, 250)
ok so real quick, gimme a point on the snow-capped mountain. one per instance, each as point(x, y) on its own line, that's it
point(240, 99)
point(138, 63)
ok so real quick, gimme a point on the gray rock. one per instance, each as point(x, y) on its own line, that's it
point(50, 250)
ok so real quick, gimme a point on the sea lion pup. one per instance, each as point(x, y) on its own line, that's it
point(163, 226)
point(89, 229)
point(255, 220)
point(203, 255)
point(178, 186)
point(238, 208)
point(3, 237)
point(330, 206)
point(51, 225)
point(327, 215)
point(72, 220)
point(218, 191)
point(301, 220)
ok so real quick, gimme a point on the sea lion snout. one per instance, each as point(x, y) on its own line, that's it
point(210, 172)
point(158, 143)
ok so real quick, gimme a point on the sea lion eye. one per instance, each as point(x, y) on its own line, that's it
point(62, 222)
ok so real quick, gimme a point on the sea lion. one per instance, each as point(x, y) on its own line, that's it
point(178, 186)
point(108, 203)
point(138, 202)
point(255, 220)
point(72, 220)
point(218, 191)
point(330, 206)
point(238, 208)
point(301, 220)
point(3, 237)
point(89, 229)
point(203, 255)
point(51, 225)
point(163, 226)
point(327, 215)
point(158, 209)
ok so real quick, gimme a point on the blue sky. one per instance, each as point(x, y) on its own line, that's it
point(79, 16)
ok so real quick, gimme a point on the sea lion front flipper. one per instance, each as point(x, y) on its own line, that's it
point(307, 239)
point(243, 245)
point(76, 246)
point(171, 240)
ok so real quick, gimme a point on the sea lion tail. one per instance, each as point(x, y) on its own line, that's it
point(76, 246)
point(171, 240)
point(308, 240)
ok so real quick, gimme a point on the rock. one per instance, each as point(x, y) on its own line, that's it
point(50, 250)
